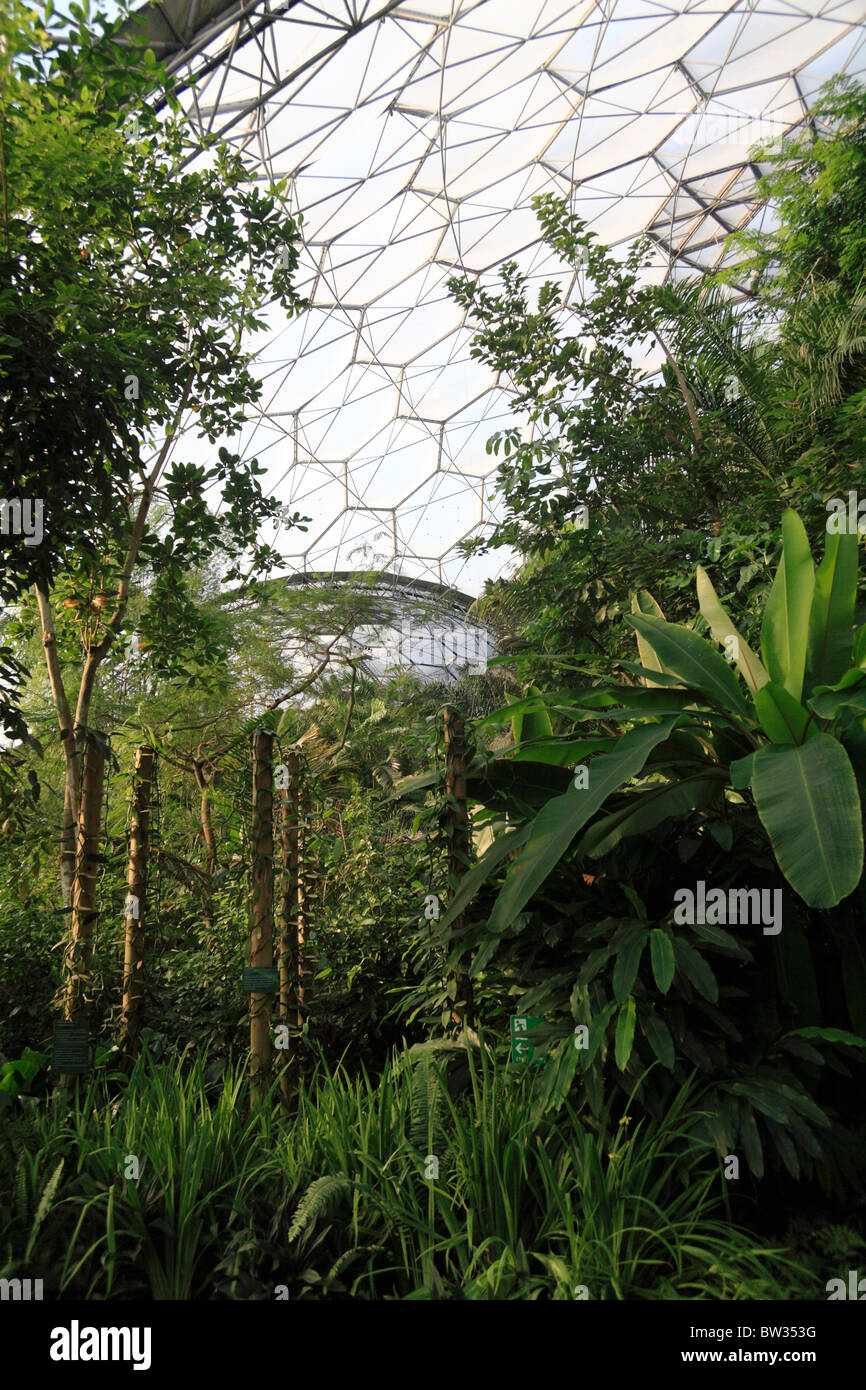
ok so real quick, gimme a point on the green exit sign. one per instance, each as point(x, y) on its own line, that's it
point(261, 979)
point(524, 1046)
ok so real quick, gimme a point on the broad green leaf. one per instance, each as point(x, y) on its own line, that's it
point(485, 952)
point(663, 959)
point(764, 1098)
point(651, 677)
point(696, 970)
point(564, 754)
point(659, 1037)
point(805, 1136)
point(649, 808)
point(692, 659)
point(481, 871)
point(830, 1035)
point(627, 964)
point(751, 1139)
point(805, 1106)
point(625, 1032)
point(643, 602)
point(710, 932)
point(417, 782)
point(785, 629)
point(527, 725)
point(848, 693)
point(786, 1149)
point(742, 771)
point(558, 822)
point(593, 963)
point(831, 621)
point(783, 719)
point(506, 713)
point(809, 805)
point(597, 1030)
point(746, 661)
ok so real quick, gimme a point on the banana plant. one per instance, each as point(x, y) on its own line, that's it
point(787, 730)
point(808, 698)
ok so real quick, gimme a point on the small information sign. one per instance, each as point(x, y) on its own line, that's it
point(261, 979)
point(71, 1053)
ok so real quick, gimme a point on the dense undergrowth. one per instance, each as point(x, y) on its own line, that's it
point(677, 704)
point(334, 1202)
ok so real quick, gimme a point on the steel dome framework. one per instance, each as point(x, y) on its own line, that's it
point(413, 137)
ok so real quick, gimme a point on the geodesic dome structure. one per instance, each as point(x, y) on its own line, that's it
point(413, 136)
point(427, 629)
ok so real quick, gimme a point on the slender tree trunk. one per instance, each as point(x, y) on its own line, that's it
point(71, 748)
point(288, 939)
point(204, 784)
point(67, 840)
point(262, 949)
point(463, 1009)
point(80, 950)
point(303, 886)
point(136, 882)
point(71, 729)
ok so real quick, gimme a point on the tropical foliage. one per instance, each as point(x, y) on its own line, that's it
point(647, 839)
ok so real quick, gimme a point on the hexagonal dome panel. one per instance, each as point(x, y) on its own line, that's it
point(413, 136)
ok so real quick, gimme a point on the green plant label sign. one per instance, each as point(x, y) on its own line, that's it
point(261, 979)
point(71, 1053)
point(524, 1048)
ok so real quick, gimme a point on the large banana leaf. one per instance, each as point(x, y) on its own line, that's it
point(650, 677)
point(692, 659)
point(783, 719)
point(480, 872)
point(643, 602)
point(649, 808)
point(558, 822)
point(785, 629)
point(563, 753)
point(535, 702)
point(831, 621)
point(528, 724)
point(746, 661)
point(808, 803)
point(849, 692)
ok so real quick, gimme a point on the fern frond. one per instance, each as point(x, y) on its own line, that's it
point(44, 1205)
point(320, 1199)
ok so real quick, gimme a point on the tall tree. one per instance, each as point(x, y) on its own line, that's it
point(136, 278)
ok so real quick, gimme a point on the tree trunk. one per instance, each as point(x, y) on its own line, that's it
point(288, 939)
point(303, 883)
point(71, 747)
point(80, 950)
point(136, 882)
point(463, 1008)
point(210, 849)
point(67, 838)
point(262, 950)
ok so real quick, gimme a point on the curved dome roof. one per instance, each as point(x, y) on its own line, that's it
point(414, 136)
